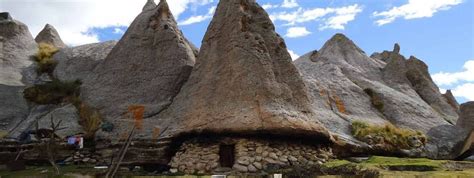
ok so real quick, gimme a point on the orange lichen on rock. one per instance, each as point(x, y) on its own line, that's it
point(137, 114)
point(340, 104)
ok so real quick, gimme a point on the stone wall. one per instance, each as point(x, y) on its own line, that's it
point(251, 156)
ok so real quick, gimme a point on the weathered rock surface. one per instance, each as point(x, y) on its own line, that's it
point(466, 118)
point(50, 36)
point(16, 47)
point(335, 98)
point(244, 81)
point(69, 118)
point(347, 85)
point(420, 79)
point(146, 67)
point(42, 114)
point(445, 141)
point(78, 62)
point(150, 5)
point(451, 100)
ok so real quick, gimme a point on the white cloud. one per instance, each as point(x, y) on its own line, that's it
point(465, 91)
point(343, 16)
point(446, 78)
point(293, 55)
point(285, 4)
point(331, 18)
point(118, 31)
point(75, 18)
point(295, 32)
point(414, 9)
point(199, 18)
point(289, 4)
point(268, 6)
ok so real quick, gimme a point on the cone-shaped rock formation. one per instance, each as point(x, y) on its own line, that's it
point(420, 79)
point(244, 81)
point(347, 85)
point(16, 47)
point(50, 36)
point(150, 5)
point(451, 100)
point(146, 67)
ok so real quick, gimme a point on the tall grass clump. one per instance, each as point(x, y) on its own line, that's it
point(90, 118)
point(387, 135)
point(53, 92)
point(44, 58)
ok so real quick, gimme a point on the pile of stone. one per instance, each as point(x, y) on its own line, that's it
point(82, 157)
point(251, 156)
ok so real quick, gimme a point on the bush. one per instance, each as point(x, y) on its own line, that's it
point(388, 135)
point(375, 99)
point(44, 58)
point(53, 92)
point(90, 118)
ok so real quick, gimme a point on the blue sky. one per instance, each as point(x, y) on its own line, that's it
point(440, 32)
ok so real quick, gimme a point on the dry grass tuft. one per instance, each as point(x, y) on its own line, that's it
point(388, 134)
point(44, 58)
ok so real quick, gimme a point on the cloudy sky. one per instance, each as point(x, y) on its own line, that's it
point(440, 32)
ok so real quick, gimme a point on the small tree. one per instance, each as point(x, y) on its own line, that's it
point(50, 145)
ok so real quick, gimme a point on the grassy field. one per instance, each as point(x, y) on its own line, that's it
point(386, 167)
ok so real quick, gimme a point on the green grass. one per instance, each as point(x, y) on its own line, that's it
point(336, 163)
point(395, 161)
point(393, 138)
point(49, 171)
point(390, 166)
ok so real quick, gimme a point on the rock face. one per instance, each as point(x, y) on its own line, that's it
point(150, 5)
point(69, 118)
point(146, 67)
point(78, 62)
point(451, 100)
point(244, 81)
point(420, 79)
point(50, 36)
point(346, 85)
point(16, 47)
point(466, 118)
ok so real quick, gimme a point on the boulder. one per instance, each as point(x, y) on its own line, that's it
point(244, 82)
point(76, 63)
point(446, 142)
point(16, 48)
point(147, 67)
point(49, 35)
point(466, 118)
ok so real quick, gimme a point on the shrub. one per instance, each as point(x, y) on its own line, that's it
point(90, 118)
point(53, 92)
point(390, 136)
point(375, 99)
point(44, 58)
